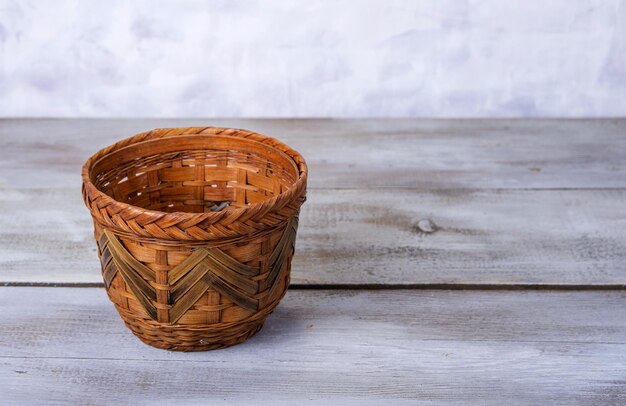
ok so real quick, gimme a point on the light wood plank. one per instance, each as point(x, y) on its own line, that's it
point(68, 345)
point(422, 154)
point(572, 237)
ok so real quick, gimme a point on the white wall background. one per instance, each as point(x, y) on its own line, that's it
point(358, 58)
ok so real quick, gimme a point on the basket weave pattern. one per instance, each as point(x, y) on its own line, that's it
point(196, 230)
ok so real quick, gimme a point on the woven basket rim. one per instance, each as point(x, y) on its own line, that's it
point(162, 133)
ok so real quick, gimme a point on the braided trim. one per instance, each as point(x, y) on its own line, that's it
point(125, 218)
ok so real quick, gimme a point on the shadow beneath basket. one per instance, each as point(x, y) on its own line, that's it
point(282, 326)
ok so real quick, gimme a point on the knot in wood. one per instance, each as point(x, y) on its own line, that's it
point(426, 226)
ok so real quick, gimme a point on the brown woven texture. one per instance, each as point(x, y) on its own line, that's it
point(195, 230)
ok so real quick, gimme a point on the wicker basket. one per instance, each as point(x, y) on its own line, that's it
point(196, 230)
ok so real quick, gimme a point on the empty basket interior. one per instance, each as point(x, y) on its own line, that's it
point(194, 173)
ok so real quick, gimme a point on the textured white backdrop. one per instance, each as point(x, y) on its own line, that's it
point(359, 58)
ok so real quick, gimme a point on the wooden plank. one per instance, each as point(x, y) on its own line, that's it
point(68, 345)
point(570, 237)
point(422, 154)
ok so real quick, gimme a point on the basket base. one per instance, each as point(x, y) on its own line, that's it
point(191, 338)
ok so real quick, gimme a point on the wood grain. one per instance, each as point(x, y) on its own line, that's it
point(421, 154)
point(347, 237)
point(391, 203)
point(68, 344)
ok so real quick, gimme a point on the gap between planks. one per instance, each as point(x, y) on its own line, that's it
point(373, 286)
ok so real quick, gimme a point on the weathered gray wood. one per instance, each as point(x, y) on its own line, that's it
point(458, 347)
point(549, 237)
point(465, 204)
point(422, 154)
point(366, 236)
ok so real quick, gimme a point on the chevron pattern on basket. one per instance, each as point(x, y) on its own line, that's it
point(205, 268)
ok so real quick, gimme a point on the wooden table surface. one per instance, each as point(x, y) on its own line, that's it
point(437, 261)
